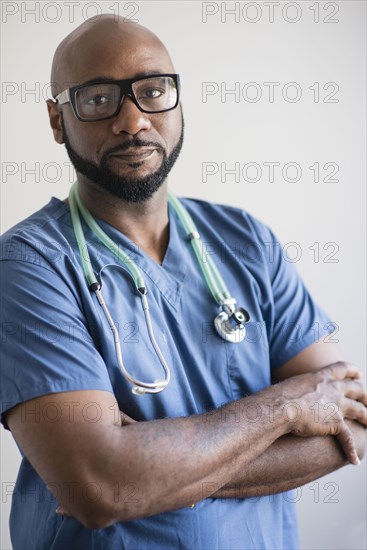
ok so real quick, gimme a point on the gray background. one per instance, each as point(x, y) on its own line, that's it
point(320, 223)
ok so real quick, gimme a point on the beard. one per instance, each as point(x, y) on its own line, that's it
point(127, 189)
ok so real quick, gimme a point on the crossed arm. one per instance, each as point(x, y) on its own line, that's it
point(292, 461)
point(175, 462)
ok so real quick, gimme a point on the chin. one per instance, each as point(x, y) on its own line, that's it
point(135, 170)
point(144, 167)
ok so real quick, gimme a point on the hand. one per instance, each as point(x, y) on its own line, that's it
point(323, 400)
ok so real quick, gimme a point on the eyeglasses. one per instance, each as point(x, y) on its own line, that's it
point(103, 99)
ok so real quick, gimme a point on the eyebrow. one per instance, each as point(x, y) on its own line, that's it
point(109, 79)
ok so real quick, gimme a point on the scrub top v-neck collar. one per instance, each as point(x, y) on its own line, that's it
point(169, 276)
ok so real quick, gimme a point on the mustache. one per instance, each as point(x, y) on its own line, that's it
point(134, 142)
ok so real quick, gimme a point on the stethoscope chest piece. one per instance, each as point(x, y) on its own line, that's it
point(231, 326)
point(230, 322)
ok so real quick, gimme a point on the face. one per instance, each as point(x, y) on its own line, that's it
point(109, 173)
point(131, 154)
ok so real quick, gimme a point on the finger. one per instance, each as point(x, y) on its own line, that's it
point(355, 411)
point(62, 512)
point(346, 440)
point(342, 370)
point(355, 390)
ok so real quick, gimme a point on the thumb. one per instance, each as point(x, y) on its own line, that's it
point(60, 510)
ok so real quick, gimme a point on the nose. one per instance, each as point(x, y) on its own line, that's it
point(130, 119)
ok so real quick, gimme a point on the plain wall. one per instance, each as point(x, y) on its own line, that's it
point(320, 223)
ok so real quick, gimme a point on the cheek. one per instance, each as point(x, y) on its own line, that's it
point(170, 129)
point(86, 139)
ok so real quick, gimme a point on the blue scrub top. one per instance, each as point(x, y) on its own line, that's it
point(55, 338)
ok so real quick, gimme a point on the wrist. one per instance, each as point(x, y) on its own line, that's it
point(271, 408)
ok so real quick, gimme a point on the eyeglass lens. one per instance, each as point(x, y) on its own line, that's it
point(101, 100)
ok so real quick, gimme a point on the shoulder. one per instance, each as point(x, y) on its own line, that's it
point(231, 221)
point(41, 237)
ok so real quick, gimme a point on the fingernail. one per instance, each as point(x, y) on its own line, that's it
point(357, 463)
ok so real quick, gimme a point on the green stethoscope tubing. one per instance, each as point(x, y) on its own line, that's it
point(211, 274)
point(75, 204)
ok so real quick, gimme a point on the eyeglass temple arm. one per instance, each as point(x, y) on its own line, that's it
point(64, 97)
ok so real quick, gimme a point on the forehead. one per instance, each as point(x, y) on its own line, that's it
point(119, 53)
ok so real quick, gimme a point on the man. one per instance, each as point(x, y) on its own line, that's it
point(104, 467)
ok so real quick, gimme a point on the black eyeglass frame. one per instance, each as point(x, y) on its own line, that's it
point(68, 96)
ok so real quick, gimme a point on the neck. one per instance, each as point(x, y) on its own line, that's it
point(144, 224)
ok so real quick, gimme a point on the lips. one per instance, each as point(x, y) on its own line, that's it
point(134, 154)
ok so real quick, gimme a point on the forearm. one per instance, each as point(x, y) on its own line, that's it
point(139, 469)
point(169, 462)
point(173, 459)
point(290, 462)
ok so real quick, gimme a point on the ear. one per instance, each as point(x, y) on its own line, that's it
point(55, 120)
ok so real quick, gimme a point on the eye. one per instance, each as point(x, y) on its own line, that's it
point(98, 100)
point(151, 93)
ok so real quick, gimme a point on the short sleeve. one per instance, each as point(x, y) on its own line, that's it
point(46, 346)
point(296, 320)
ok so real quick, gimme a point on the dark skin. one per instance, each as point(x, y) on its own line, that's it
point(171, 461)
point(146, 224)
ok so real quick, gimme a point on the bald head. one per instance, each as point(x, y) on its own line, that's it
point(99, 46)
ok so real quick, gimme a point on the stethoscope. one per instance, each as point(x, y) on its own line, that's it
point(229, 323)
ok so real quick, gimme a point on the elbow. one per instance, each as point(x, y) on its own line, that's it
point(95, 517)
point(104, 513)
point(109, 506)
point(94, 521)
point(92, 515)
point(102, 519)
